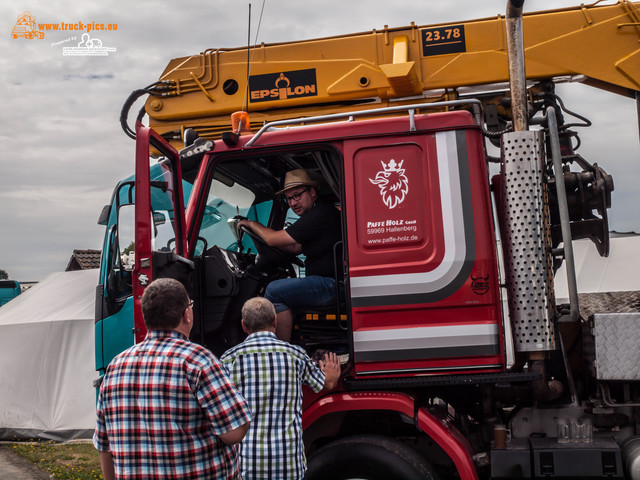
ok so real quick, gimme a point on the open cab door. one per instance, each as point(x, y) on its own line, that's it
point(160, 245)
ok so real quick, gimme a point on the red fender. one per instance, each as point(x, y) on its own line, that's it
point(445, 435)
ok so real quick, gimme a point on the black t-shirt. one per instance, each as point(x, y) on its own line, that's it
point(318, 230)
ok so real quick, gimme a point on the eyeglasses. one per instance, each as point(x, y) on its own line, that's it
point(295, 197)
point(190, 304)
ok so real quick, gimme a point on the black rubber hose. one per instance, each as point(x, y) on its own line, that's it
point(157, 89)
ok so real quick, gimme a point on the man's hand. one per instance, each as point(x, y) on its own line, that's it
point(244, 223)
point(273, 238)
point(330, 365)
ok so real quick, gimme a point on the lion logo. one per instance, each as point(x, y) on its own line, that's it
point(392, 182)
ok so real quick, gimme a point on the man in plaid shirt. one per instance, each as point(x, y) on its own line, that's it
point(167, 408)
point(270, 374)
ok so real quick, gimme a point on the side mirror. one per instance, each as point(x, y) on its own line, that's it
point(211, 217)
point(159, 218)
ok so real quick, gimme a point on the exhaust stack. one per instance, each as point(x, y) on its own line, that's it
point(525, 216)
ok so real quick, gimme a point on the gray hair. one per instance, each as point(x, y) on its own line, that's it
point(258, 314)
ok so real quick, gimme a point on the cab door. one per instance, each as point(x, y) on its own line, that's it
point(422, 262)
point(160, 245)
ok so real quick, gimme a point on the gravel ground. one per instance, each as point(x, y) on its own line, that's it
point(14, 467)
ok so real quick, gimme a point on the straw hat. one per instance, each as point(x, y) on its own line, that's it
point(296, 178)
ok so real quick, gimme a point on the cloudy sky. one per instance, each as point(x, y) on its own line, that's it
point(62, 149)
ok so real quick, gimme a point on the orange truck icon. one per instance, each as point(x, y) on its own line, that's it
point(26, 27)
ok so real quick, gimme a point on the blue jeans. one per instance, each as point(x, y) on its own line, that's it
point(313, 291)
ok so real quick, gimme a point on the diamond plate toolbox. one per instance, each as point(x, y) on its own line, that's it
point(617, 345)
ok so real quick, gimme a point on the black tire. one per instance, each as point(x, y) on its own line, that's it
point(368, 457)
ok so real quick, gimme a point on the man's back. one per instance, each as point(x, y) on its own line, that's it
point(162, 406)
point(270, 374)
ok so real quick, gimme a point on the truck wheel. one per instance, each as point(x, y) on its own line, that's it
point(368, 457)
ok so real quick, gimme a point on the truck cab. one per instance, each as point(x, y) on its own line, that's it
point(420, 298)
point(417, 253)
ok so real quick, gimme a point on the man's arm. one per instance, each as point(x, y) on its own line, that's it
point(226, 409)
point(235, 436)
point(106, 464)
point(273, 238)
point(330, 365)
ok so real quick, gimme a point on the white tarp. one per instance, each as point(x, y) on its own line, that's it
point(47, 359)
point(619, 272)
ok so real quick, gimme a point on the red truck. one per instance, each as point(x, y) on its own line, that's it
point(457, 360)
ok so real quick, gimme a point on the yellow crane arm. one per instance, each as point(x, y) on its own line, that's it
point(599, 43)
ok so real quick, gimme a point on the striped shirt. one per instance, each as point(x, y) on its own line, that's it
point(162, 405)
point(270, 374)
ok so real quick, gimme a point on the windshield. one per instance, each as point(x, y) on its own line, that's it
point(225, 200)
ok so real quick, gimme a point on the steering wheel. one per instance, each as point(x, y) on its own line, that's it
point(266, 249)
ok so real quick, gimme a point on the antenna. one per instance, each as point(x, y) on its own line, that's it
point(250, 57)
point(246, 91)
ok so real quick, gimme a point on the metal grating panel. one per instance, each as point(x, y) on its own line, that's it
point(617, 337)
point(525, 238)
point(609, 302)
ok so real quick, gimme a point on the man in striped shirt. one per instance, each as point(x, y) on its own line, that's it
point(167, 408)
point(270, 374)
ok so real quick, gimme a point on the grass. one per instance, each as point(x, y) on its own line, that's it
point(69, 461)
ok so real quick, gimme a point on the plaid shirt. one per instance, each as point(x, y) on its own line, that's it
point(162, 405)
point(270, 374)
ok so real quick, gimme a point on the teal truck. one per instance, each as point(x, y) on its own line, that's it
point(9, 289)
